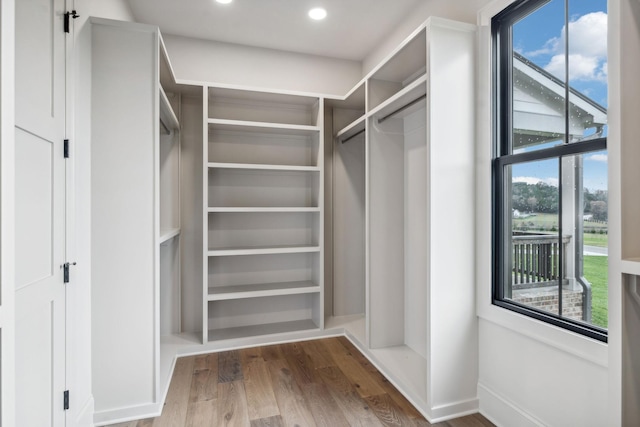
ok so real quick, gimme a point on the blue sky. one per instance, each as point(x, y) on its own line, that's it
point(540, 37)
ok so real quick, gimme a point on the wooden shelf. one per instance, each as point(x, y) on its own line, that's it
point(168, 117)
point(263, 127)
point(219, 293)
point(352, 129)
point(252, 166)
point(269, 250)
point(260, 330)
point(408, 94)
point(168, 234)
point(263, 210)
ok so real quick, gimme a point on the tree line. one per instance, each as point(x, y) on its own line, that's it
point(544, 198)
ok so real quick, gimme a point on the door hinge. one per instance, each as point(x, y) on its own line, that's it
point(66, 148)
point(66, 400)
point(65, 268)
point(73, 14)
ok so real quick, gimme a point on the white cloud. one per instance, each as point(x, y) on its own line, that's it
point(532, 180)
point(598, 158)
point(587, 49)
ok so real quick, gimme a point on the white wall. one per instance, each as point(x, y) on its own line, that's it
point(458, 10)
point(111, 9)
point(531, 373)
point(7, 217)
point(231, 64)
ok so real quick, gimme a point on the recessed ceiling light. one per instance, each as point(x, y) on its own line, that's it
point(317, 13)
point(224, 1)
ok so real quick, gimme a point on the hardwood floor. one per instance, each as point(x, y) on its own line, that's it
point(325, 382)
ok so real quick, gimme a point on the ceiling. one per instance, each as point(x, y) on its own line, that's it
point(351, 30)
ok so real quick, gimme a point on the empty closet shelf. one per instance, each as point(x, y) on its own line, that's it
point(251, 166)
point(263, 127)
point(261, 209)
point(168, 118)
point(267, 250)
point(168, 234)
point(219, 293)
point(261, 330)
point(406, 96)
point(352, 130)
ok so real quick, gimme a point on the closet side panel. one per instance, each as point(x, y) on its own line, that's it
point(386, 233)
point(415, 231)
point(191, 214)
point(453, 324)
point(123, 211)
point(349, 222)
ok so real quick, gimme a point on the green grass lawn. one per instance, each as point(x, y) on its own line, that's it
point(595, 270)
point(601, 240)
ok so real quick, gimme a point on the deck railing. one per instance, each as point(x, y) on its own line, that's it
point(536, 260)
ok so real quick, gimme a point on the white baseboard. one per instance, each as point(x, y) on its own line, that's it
point(84, 417)
point(453, 410)
point(122, 415)
point(503, 412)
point(432, 414)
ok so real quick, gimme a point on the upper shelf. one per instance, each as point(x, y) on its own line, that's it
point(400, 71)
point(254, 106)
point(404, 102)
point(168, 119)
point(352, 129)
point(253, 166)
point(263, 127)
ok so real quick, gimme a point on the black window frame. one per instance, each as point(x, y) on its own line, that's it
point(502, 127)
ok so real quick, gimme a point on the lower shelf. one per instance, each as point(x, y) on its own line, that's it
point(257, 330)
point(219, 293)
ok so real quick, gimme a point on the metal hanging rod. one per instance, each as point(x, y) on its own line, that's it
point(353, 136)
point(401, 109)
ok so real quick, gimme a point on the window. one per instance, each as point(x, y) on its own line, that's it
point(550, 162)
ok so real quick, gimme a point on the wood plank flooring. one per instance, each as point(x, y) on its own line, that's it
point(325, 382)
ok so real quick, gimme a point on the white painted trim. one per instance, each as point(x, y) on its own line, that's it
point(132, 413)
point(501, 408)
point(7, 215)
point(85, 414)
point(580, 346)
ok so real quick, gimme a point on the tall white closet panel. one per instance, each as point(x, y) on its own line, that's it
point(135, 216)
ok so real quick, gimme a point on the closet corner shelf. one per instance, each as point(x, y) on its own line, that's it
point(268, 250)
point(264, 127)
point(262, 209)
point(261, 330)
point(252, 166)
point(167, 115)
point(630, 266)
point(352, 129)
point(220, 293)
point(168, 234)
point(407, 95)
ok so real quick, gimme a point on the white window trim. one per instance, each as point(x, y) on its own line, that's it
point(578, 345)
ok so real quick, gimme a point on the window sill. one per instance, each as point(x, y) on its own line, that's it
point(569, 342)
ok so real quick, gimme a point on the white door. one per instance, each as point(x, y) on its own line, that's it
point(40, 213)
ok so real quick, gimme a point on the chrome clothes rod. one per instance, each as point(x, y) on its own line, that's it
point(353, 136)
point(401, 109)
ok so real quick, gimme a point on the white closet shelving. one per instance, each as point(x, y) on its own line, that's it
point(136, 222)
point(345, 302)
point(263, 214)
point(404, 141)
